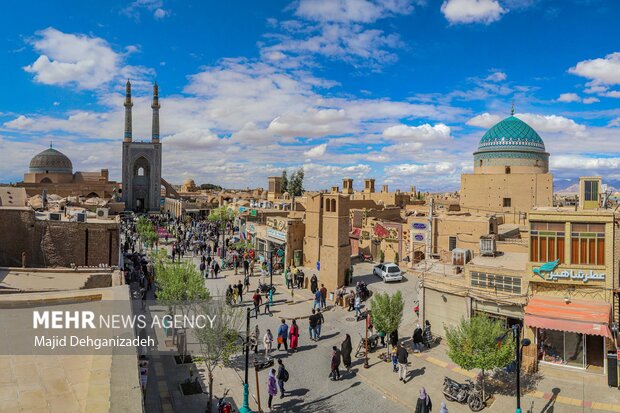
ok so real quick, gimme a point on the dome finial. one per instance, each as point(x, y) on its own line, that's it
point(512, 110)
point(51, 144)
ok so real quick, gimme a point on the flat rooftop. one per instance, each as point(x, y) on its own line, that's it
point(516, 261)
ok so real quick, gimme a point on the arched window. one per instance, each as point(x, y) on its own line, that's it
point(508, 169)
point(480, 162)
point(46, 181)
point(141, 167)
point(333, 208)
point(140, 171)
point(326, 205)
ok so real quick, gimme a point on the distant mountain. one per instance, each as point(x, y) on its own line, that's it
point(571, 186)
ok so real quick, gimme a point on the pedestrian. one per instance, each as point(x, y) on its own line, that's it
point(294, 333)
point(394, 338)
point(246, 281)
point(229, 294)
point(402, 356)
point(254, 336)
point(203, 266)
point(246, 266)
point(323, 291)
point(424, 404)
point(428, 336)
point(395, 359)
point(345, 349)
point(314, 283)
point(417, 338)
point(240, 291)
point(216, 269)
point(282, 377)
point(358, 303)
point(268, 342)
point(287, 277)
point(312, 325)
point(236, 263)
point(283, 335)
point(335, 363)
point(319, 322)
point(351, 300)
point(317, 300)
point(272, 389)
point(257, 299)
point(443, 408)
point(268, 301)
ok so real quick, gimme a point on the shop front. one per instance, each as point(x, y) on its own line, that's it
point(571, 279)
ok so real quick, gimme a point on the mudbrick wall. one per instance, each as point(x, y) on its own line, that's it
point(55, 243)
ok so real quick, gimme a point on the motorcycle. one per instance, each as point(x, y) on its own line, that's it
point(264, 288)
point(463, 393)
point(222, 405)
point(361, 289)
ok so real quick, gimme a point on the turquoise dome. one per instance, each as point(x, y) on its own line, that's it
point(511, 134)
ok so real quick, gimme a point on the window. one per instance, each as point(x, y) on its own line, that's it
point(507, 202)
point(480, 162)
point(140, 171)
point(560, 347)
point(499, 283)
point(591, 191)
point(547, 241)
point(451, 243)
point(508, 169)
point(588, 244)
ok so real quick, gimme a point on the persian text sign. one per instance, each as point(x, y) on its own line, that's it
point(575, 275)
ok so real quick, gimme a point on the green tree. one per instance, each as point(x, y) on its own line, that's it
point(210, 186)
point(381, 256)
point(472, 344)
point(284, 181)
point(220, 340)
point(387, 311)
point(296, 183)
point(180, 287)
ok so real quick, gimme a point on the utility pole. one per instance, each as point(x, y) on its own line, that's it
point(429, 236)
point(246, 389)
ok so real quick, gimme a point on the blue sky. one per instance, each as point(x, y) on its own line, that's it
point(398, 90)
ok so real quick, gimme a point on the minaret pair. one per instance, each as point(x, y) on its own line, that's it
point(155, 106)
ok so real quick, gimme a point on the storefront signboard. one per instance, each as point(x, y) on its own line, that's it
point(252, 212)
point(276, 234)
point(251, 229)
point(419, 226)
point(419, 238)
point(242, 209)
point(549, 272)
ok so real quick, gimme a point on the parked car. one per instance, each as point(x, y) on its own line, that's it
point(388, 272)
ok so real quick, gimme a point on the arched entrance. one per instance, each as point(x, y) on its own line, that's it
point(141, 171)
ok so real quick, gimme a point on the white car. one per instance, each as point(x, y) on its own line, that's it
point(388, 272)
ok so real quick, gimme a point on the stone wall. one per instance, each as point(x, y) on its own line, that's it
point(55, 243)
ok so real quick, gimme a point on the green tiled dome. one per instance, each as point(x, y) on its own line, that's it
point(511, 133)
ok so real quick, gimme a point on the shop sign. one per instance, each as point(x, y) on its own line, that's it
point(243, 209)
point(419, 238)
point(276, 234)
point(570, 274)
point(251, 229)
point(252, 212)
point(419, 226)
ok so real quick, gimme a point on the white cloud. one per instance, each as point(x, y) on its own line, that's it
point(485, 120)
point(88, 62)
point(472, 11)
point(317, 151)
point(135, 9)
point(602, 70)
point(613, 94)
point(361, 11)
point(569, 97)
point(496, 77)
point(551, 123)
point(590, 100)
point(422, 133)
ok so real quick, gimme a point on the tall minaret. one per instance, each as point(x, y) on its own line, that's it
point(155, 106)
point(128, 104)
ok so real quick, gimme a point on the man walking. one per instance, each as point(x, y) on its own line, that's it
point(240, 291)
point(323, 291)
point(257, 299)
point(283, 335)
point(319, 322)
point(358, 303)
point(312, 325)
point(317, 300)
point(402, 355)
point(335, 364)
point(282, 377)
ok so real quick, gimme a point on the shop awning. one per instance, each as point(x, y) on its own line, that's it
point(577, 316)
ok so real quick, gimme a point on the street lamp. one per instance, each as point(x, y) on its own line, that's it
point(245, 408)
point(516, 333)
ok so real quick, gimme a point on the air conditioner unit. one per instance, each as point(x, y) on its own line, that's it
point(81, 217)
point(102, 213)
point(55, 216)
point(488, 246)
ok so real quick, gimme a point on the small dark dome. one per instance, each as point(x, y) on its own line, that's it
point(51, 161)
